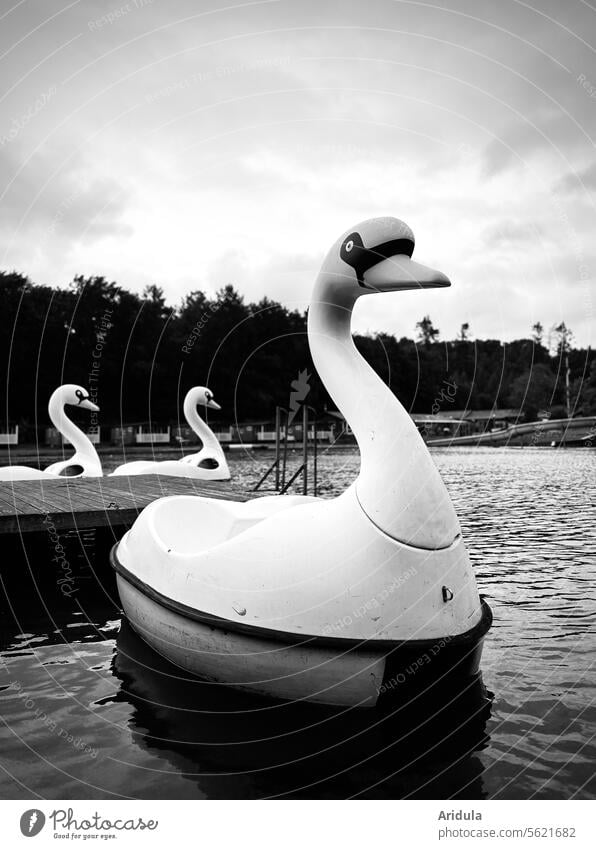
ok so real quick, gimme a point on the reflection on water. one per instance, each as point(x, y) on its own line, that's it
point(250, 747)
point(91, 711)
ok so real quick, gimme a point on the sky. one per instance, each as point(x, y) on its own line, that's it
point(194, 144)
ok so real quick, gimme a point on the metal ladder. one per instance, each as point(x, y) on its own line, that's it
point(279, 465)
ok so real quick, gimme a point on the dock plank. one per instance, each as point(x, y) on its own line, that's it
point(80, 503)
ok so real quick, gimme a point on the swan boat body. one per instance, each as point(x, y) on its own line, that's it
point(350, 601)
point(207, 464)
point(85, 461)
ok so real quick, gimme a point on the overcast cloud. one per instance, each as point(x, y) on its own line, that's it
point(192, 144)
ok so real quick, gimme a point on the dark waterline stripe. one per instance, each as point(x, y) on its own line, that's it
point(341, 643)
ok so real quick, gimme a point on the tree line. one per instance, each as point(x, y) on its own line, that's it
point(138, 355)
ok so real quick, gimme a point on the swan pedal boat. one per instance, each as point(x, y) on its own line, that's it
point(85, 461)
point(352, 601)
point(207, 464)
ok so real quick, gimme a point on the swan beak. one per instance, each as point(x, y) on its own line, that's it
point(213, 405)
point(400, 272)
point(89, 405)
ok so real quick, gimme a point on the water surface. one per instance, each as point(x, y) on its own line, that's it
point(89, 711)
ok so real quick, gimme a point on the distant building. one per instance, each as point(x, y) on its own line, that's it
point(488, 420)
point(9, 435)
point(457, 422)
point(431, 425)
point(262, 431)
point(331, 428)
point(141, 434)
point(54, 439)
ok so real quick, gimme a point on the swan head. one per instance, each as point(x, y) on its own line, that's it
point(74, 395)
point(200, 396)
point(376, 256)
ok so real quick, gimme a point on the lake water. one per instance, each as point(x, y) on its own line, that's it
point(89, 711)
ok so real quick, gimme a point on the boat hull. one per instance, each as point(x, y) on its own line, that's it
point(279, 665)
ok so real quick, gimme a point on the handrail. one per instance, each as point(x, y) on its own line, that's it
point(274, 465)
point(286, 486)
point(280, 464)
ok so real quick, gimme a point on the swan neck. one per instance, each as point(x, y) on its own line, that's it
point(69, 430)
point(198, 425)
point(399, 486)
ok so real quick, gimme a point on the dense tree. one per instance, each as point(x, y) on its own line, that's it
point(427, 332)
point(139, 355)
point(534, 391)
point(583, 392)
point(537, 333)
point(562, 337)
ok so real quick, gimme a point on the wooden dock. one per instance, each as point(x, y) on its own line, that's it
point(30, 506)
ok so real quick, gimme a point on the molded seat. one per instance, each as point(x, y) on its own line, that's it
point(190, 524)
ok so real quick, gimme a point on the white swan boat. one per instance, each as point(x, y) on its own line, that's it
point(207, 464)
point(85, 461)
point(348, 601)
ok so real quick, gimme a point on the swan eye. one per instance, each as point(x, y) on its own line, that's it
point(361, 258)
point(208, 395)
